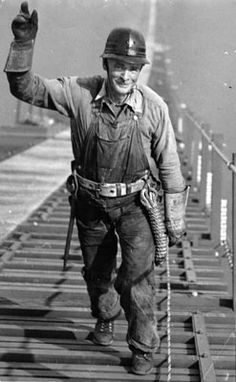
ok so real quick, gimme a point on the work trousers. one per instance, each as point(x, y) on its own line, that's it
point(126, 281)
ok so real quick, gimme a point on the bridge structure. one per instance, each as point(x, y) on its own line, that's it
point(45, 321)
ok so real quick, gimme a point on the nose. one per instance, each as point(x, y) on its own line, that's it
point(125, 74)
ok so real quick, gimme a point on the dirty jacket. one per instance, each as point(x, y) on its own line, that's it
point(75, 97)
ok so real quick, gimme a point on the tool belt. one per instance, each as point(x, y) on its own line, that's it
point(112, 190)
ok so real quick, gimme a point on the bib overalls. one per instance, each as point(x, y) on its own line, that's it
point(113, 153)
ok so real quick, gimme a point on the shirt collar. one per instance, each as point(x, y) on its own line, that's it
point(134, 99)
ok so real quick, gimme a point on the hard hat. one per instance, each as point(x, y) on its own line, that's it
point(127, 45)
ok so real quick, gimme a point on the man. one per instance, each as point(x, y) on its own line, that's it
point(120, 133)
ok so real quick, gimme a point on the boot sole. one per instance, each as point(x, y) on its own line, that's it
point(134, 371)
point(96, 342)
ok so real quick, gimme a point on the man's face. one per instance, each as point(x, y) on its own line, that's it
point(122, 76)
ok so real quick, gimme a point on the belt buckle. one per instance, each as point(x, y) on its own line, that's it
point(123, 189)
point(98, 189)
point(108, 190)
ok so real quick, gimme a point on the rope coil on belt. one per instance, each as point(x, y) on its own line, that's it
point(149, 199)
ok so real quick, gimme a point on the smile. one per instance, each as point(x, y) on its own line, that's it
point(123, 85)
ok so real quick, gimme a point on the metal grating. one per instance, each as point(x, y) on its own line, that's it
point(45, 324)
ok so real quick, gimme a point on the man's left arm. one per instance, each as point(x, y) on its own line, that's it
point(173, 183)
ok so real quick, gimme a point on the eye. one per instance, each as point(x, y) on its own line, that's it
point(119, 66)
point(135, 69)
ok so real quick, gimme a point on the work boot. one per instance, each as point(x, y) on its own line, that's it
point(142, 362)
point(103, 332)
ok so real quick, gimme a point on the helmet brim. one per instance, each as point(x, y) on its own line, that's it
point(127, 59)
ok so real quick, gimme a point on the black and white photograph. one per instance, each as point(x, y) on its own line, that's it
point(117, 190)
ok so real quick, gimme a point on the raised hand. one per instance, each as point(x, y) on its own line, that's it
point(25, 25)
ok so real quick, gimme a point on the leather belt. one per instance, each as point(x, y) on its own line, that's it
point(112, 190)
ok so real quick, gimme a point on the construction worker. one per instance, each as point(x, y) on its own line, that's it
point(121, 133)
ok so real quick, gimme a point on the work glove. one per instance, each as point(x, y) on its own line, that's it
point(174, 205)
point(25, 25)
point(24, 28)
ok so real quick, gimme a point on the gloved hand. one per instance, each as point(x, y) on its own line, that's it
point(175, 204)
point(25, 26)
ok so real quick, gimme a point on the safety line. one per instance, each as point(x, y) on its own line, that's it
point(168, 319)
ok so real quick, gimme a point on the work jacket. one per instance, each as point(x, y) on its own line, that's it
point(77, 98)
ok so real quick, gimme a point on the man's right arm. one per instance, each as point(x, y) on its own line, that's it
point(29, 88)
point(24, 28)
point(24, 84)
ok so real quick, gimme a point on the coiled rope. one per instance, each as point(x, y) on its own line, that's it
point(149, 199)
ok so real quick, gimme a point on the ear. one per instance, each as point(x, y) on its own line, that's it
point(104, 64)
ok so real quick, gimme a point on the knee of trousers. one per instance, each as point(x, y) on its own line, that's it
point(106, 305)
point(105, 302)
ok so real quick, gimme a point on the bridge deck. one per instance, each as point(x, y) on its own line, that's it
point(45, 322)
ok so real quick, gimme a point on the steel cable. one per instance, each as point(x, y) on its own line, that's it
point(168, 324)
